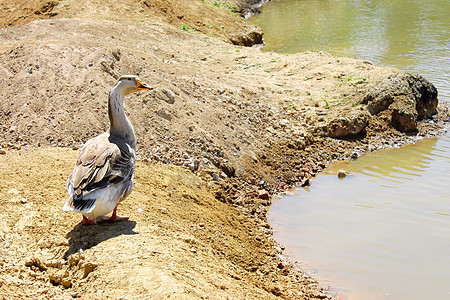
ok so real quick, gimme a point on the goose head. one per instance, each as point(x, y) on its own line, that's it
point(128, 84)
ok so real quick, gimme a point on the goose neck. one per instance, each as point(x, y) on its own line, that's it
point(120, 126)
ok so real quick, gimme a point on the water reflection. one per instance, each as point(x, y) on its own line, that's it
point(410, 161)
point(383, 232)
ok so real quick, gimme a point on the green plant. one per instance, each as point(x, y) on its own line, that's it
point(292, 106)
point(187, 28)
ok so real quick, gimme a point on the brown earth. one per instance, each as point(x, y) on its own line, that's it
point(253, 121)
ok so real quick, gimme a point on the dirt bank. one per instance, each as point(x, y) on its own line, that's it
point(180, 242)
point(252, 121)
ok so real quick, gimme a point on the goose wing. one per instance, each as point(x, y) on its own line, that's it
point(102, 162)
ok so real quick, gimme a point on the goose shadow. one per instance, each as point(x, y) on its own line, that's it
point(83, 237)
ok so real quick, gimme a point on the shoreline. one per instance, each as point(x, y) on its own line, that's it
point(257, 123)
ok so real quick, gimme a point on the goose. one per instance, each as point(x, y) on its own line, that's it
point(104, 172)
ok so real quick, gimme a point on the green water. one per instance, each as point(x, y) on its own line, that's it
point(408, 34)
point(383, 232)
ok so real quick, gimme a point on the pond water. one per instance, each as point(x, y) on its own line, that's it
point(383, 232)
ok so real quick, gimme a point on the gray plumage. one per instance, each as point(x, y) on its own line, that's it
point(104, 172)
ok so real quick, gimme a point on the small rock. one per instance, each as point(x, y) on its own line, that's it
point(284, 123)
point(277, 248)
point(88, 268)
point(252, 155)
point(66, 282)
point(342, 174)
point(74, 259)
point(306, 183)
point(263, 194)
point(282, 265)
point(215, 177)
point(2, 151)
point(169, 96)
point(36, 262)
point(228, 169)
point(355, 156)
point(194, 166)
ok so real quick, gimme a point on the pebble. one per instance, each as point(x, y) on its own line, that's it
point(355, 155)
point(170, 96)
point(277, 248)
point(215, 177)
point(88, 268)
point(2, 151)
point(342, 174)
point(263, 194)
point(66, 283)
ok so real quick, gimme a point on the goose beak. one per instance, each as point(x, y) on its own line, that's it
point(143, 86)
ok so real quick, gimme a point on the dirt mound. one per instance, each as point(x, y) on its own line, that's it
point(221, 19)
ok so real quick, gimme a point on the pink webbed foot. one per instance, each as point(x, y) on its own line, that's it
point(87, 221)
point(114, 217)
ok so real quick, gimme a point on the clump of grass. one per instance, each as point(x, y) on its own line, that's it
point(327, 105)
point(224, 5)
point(351, 79)
point(292, 106)
point(187, 28)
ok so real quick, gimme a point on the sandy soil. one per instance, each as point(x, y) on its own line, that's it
point(255, 122)
point(180, 242)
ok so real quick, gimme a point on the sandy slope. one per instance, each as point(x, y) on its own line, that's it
point(180, 242)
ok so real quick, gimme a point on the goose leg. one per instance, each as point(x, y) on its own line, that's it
point(114, 217)
point(87, 221)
